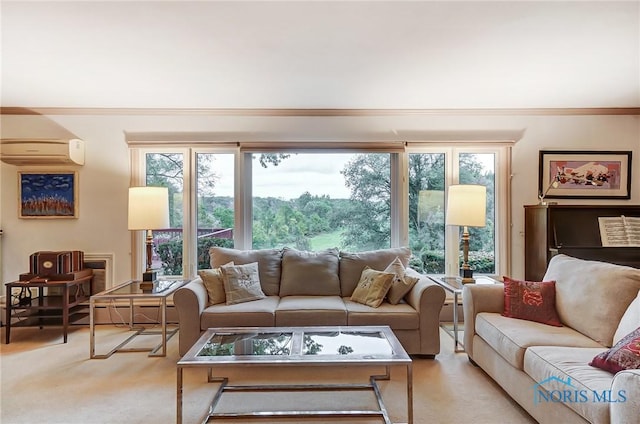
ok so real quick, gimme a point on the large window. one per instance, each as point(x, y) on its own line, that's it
point(435, 246)
point(214, 203)
point(354, 200)
point(166, 169)
point(313, 201)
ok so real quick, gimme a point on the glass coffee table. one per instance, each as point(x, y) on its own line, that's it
point(281, 347)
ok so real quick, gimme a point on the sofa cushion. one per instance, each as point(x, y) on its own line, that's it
point(372, 287)
point(241, 283)
point(565, 370)
point(399, 317)
point(624, 355)
point(268, 264)
point(352, 264)
point(311, 310)
point(309, 273)
point(259, 313)
point(630, 320)
point(511, 337)
point(402, 283)
point(531, 300)
point(591, 296)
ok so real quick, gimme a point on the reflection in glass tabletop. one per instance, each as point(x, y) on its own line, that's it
point(222, 344)
point(345, 343)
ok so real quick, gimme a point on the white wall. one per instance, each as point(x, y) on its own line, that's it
point(102, 223)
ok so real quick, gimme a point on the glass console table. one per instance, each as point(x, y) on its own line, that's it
point(454, 285)
point(131, 293)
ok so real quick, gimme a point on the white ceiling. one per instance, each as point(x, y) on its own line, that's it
point(320, 54)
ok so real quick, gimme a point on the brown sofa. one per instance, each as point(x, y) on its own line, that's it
point(546, 368)
point(314, 288)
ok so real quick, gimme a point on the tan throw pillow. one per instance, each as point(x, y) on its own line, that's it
point(241, 283)
point(352, 264)
point(213, 282)
point(401, 283)
point(372, 287)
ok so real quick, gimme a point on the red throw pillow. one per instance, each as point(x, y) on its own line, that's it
point(625, 355)
point(530, 300)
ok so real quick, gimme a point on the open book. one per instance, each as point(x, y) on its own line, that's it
point(620, 231)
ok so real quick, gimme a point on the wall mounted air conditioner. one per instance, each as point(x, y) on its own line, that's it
point(42, 151)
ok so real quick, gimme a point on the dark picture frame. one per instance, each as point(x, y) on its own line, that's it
point(585, 174)
point(48, 194)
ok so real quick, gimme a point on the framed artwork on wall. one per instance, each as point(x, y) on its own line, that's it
point(570, 174)
point(48, 194)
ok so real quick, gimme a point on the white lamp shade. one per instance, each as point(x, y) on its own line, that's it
point(148, 208)
point(467, 205)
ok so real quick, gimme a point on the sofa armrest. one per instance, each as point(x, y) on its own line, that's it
point(190, 300)
point(478, 298)
point(625, 383)
point(427, 298)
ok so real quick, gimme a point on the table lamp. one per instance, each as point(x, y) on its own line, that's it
point(148, 210)
point(555, 183)
point(466, 207)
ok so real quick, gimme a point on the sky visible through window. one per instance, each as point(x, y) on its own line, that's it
point(316, 173)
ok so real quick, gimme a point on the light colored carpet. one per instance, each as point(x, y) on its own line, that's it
point(47, 381)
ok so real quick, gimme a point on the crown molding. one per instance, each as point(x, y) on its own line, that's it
point(293, 112)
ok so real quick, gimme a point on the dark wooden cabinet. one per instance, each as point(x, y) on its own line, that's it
point(573, 230)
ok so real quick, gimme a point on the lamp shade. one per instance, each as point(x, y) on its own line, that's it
point(148, 208)
point(467, 205)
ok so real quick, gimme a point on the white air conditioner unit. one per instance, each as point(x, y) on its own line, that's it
point(42, 151)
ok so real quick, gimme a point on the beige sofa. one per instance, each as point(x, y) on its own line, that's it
point(314, 288)
point(532, 360)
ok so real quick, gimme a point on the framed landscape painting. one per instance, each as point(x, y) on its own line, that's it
point(585, 174)
point(48, 194)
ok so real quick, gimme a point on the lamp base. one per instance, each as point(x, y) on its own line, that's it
point(148, 278)
point(467, 275)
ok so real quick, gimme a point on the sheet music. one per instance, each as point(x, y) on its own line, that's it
point(619, 231)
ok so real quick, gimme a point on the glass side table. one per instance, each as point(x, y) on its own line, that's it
point(454, 285)
point(131, 292)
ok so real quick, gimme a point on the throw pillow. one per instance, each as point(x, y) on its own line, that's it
point(530, 300)
point(268, 264)
point(624, 355)
point(372, 287)
point(629, 321)
point(352, 264)
point(241, 283)
point(214, 283)
point(401, 283)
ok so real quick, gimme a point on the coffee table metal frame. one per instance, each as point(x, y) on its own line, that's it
point(131, 292)
point(398, 357)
